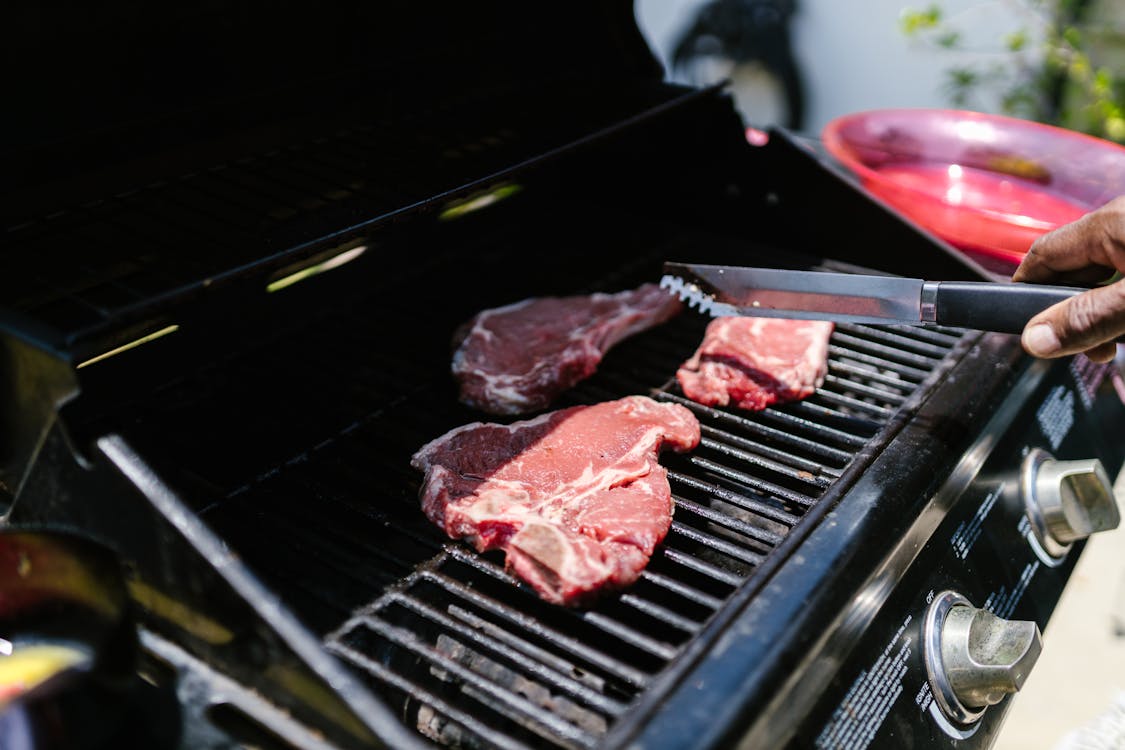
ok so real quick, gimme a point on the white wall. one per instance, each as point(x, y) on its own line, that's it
point(854, 55)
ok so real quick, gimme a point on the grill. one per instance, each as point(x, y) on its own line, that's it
point(431, 616)
point(223, 350)
point(526, 673)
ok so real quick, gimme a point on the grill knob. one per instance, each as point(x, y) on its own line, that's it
point(1066, 500)
point(974, 658)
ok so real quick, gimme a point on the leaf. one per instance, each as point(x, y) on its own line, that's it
point(1103, 83)
point(949, 39)
point(1016, 41)
point(1026, 79)
point(1115, 128)
point(913, 21)
point(963, 77)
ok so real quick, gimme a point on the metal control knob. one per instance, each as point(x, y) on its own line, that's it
point(1066, 500)
point(974, 658)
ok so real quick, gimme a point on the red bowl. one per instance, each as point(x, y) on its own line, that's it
point(986, 184)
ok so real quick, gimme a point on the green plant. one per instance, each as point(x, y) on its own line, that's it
point(1052, 67)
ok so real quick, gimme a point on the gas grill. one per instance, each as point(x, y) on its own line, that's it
point(237, 245)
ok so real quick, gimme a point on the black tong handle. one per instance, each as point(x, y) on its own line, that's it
point(990, 306)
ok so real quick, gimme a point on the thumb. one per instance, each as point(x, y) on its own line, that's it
point(1088, 322)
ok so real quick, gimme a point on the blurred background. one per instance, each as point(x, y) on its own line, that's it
point(800, 64)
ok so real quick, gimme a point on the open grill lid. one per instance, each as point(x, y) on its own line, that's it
point(138, 89)
point(140, 152)
point(168, 152)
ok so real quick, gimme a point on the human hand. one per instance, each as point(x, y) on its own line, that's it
point(1084, 252)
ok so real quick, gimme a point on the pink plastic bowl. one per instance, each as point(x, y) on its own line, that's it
point(984, 183)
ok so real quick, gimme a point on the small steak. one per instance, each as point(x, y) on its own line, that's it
point(575, 497)
point(755, 362)
point(519, 358)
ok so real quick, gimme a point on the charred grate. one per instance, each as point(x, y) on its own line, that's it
point(473, 658)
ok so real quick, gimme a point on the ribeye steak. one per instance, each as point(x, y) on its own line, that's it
point(519, 358)
point(576, 497)
point(752, 363)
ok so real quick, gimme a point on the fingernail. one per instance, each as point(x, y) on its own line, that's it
point(1040, 340)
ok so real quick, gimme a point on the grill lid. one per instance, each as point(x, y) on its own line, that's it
point(123, 85)
point(179, 150)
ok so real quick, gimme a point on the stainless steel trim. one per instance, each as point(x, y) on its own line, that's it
point(935, 669)
point(928, 302)
point(1028, 472)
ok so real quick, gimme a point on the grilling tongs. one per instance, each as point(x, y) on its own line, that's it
point(857, 298)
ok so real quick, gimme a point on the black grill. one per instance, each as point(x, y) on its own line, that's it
point(290, 436)
point(251, 466)
point(463, 651)
point(311, 485)
point(471, 661)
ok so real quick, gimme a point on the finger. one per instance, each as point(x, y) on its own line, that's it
point(1066, 249)
point(1098, 238)
point(1079, 324)
point(1087, 277)
point(1102, 352)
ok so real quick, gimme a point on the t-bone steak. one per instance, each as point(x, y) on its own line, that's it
point(752, 363)
point(576, 497)
point(518, 358)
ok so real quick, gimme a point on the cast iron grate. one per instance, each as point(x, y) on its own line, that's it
point(473, 658)
point(296, 452)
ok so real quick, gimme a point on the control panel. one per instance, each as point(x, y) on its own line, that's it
point(963, 627)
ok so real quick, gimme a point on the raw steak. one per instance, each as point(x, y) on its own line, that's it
point(518, 358)
point(755, 362)
point(575, 497)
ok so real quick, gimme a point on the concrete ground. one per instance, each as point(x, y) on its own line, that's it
point(1074, 698)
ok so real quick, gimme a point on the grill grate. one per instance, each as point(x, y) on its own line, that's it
point(310, 483)
point(475, 659)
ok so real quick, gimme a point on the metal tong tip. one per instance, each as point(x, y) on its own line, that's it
point(694, 296)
